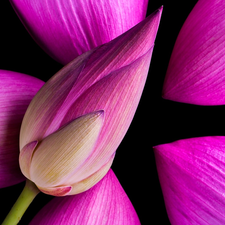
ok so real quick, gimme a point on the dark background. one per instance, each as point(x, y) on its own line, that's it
point(157, 121)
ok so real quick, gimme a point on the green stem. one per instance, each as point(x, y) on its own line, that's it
point(26, 197)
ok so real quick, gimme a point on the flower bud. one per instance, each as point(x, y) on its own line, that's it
point(107, 79)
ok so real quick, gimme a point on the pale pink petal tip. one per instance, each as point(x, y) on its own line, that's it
point(196, 71)
point(66, 29)
point(105, 203)
point(56, 191)
point(16, 92)
point(192, 178)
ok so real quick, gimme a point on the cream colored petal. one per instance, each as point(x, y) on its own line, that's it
point(25, 158)
point(59, 154)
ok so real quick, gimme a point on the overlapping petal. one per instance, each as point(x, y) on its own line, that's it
point(196, 69)
point(105, 203)
point(192, 177)
point(16, 92)
point(66, 28)
point(51, 162)
point(109, 78)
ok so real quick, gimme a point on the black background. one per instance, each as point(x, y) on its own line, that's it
point(157, 121)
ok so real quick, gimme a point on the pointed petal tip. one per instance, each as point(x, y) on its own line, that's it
point(142, 36)
point(95, 116)
point(159, 10)
point(154, 20)
point(168, 95)
point(99, 113)
point(157, 148)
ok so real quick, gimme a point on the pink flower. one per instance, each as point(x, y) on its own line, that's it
point(16, 92)
point(196, 69)
point(105, 203)
point(66, 29)
point(192, 177)
point(74, 125)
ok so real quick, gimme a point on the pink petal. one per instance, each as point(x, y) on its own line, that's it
point(16, 92)
point(130, 51)
point(105, 203)
point(66, 29)
point(192, 177)
point(196, 69)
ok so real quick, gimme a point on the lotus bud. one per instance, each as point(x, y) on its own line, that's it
point(195, 73)
point(105, 203)
point(66, 29)
point(16, 92)
point(96, 94)
point(192, 177)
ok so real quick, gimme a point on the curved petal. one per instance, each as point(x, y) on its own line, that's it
point(66, 29)
point(105, 203)
point(196, 69)
point(25, 158)
point(16, 92)
point(66, 86)
point(192, 177)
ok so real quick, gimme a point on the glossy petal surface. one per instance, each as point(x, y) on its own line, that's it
point(104, 204)
point(16, 92)
point(66, 28)
point(196, 71)
point(192, 177)
point(109, 78)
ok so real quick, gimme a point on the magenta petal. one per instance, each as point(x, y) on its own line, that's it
point(16, 92)
point(192, 177)
point(196, 71)
point(66, 29)
point(105, 203)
